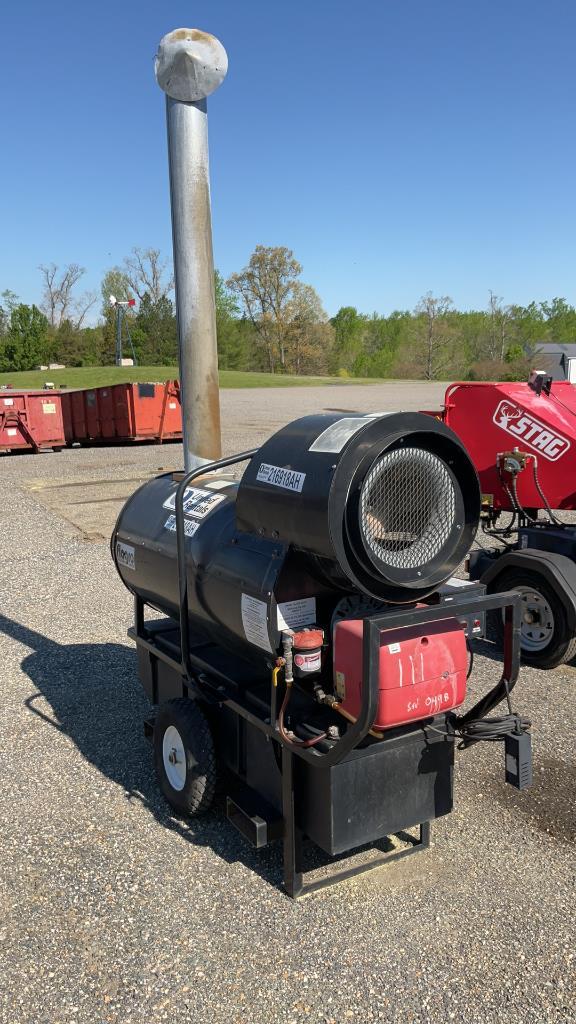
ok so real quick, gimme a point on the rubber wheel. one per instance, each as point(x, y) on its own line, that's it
point(546, 640)
point(184, 756)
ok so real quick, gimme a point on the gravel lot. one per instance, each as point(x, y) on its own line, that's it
point(112, 910)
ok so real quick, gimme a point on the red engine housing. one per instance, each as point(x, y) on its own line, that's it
point(490, 418)
point(422, 670)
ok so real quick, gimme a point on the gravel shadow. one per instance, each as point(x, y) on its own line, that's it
point(90, 693)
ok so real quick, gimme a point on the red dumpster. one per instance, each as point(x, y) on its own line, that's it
point(123, 412)
point(31, 420)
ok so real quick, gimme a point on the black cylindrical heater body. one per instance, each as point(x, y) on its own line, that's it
point(383, 506)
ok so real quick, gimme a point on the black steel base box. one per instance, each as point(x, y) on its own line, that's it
point(393, 785)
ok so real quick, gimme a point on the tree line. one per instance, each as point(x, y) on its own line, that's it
point(269, 319)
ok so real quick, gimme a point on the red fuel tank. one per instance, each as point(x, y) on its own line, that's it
point(421, 673)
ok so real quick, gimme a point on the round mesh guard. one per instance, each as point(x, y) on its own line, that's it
point(407, 508)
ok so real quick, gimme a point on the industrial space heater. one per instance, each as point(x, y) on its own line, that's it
point(314, 645)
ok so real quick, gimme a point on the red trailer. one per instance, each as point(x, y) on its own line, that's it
point(492, 418)
point(123, 412)
point(31, 420)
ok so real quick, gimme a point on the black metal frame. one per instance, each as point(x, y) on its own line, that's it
point(202, 679)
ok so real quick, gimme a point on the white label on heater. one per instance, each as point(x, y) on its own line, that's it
point(48, 407)
point(337, 434)
point(189, 526)
point(11, 431)
point(279, 476)
point(126, 555)
point(294, 614)
point(8, 401)
point(197, 503)
point(255, 621)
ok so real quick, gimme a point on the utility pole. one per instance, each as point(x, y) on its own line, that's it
point(189, 66)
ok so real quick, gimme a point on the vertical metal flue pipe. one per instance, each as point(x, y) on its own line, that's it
point(189, 66)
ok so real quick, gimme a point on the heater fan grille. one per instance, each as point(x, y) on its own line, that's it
point(407, 507)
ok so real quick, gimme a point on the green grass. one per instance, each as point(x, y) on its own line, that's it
point(96, 376)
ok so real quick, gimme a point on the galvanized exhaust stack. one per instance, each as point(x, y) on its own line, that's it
point(190, 65)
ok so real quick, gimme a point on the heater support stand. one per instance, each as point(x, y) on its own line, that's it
point(294, 875)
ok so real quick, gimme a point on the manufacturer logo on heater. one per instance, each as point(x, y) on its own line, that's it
point(530, 431)
point(126, 555)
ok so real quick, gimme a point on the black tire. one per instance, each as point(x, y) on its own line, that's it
point(198, 767)
point(562, 644)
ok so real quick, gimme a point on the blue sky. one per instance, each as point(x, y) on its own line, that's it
point(397, 146)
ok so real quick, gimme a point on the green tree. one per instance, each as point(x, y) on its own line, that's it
point(435, 341)
point(560, 319)
point(311, 335)
point(25, 344)
point(265, 289)
point(8, 301)
point(349, 326)
point(234, 348)
point(154, 332)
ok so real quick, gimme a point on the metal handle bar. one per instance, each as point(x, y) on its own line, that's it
point(186, 480)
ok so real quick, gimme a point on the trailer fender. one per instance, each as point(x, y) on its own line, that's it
point(557, 570)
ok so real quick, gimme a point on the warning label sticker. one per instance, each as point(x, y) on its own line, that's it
point(294, 614)
point(48, 407)
point(190, 526)
point(197, 503)
point(255, 621)
point(8, 401)
point(279, 476)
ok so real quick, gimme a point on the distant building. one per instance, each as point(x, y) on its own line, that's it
point(557, 360)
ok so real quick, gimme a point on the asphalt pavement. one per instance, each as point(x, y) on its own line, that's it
point(112, 910)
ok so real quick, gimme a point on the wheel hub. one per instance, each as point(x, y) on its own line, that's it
point(174, 758)
point(537, 624)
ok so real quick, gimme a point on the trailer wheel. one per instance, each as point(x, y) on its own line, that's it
point(184, 756)
point(546, 639)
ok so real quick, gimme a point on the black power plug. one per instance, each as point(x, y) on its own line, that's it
point(518, 759)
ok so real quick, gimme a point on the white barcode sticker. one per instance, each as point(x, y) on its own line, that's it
point(279, 476)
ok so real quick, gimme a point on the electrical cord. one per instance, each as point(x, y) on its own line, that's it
point(488, 730)
point(470, 660)
point(553, 519)
point(491, 730)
